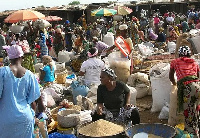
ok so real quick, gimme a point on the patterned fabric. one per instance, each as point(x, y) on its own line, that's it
point(184, 51)
point(110, 72)
point(122, 116)
point(28, 62)
point(191, 107)
point(184, 66)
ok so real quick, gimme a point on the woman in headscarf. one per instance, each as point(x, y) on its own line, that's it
point(187, 72)
point(18, 91)
point(113, 100)
point(91, 68)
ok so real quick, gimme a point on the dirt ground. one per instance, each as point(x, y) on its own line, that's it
point(146, 115)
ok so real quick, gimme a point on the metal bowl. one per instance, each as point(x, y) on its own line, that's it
point(161, 130)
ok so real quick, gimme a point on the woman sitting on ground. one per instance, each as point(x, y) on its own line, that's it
point(113, 100)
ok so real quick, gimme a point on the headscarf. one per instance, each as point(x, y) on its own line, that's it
point(123, 27)
point(14, 51)
point(110, 72)
point(94, 54)
point(184, 51)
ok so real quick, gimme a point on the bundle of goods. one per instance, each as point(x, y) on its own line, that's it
point(41, 23)
point(92, 93)
point(63, 56)
point(76, 64)
point(14, 28)
point(101, 128)
point(78, 89)
point(121, 66)
point(139, 81)
point(84, 102)
point(109, 39)
point(174, 116)
point(159, 77)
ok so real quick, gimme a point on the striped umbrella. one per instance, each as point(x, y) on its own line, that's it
point(122, 10)
point(103, 12)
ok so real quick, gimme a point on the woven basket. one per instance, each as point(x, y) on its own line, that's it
point(61, 78)
point(68, 118)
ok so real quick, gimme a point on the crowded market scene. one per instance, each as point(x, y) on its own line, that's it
point(115, 70)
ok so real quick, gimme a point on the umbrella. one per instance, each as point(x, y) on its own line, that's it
point(122, 10)
point(103, 12)
point(53, 18)
point(24, 15)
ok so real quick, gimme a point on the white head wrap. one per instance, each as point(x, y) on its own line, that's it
point(123, 27)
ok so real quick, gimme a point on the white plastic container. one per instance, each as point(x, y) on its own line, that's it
point(109, 39)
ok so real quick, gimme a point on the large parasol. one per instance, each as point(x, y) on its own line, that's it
point(24, 15)
point(103, 12)
point(123, 10)
point(53, 18)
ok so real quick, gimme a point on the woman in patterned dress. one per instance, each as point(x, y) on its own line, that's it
point(187, 72)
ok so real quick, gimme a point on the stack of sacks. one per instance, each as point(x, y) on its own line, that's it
point(139, 81)
point(121, 66)
point(85, 116)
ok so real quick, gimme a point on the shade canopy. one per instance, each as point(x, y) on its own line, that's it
point(103, 12)
point(24, 15)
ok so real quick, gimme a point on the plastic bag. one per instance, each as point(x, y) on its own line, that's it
point(164, 114)
point(145, 50)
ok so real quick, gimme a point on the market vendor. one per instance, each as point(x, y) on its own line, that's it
point(113, 100)
point(124, 33)
point(91, 68)
point(187, 72)
point(101, 46)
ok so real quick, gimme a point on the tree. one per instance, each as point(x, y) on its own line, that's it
point(74, 3)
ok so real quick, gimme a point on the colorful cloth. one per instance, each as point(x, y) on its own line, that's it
point(190, 104)
point(184, 66)
point(49, 74)
point(16, 95)
point(28, 62)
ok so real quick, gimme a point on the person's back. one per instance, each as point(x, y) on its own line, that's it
point(92, 68)
point(18, 89)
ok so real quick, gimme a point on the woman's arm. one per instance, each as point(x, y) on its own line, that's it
point(127, 98)
point(171, 76)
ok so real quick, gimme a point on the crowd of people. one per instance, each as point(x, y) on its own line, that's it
point(19, 89)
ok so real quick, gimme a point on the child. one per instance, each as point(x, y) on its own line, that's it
point(47, 73)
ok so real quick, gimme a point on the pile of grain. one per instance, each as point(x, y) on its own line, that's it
point(101, 128)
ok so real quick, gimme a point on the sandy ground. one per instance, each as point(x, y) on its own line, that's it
point(146, 115)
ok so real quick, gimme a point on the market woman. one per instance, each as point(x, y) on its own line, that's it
point(18, 90)
point(113, 100)
point(187, 72)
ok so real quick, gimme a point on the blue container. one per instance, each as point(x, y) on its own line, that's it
point(161, 130)
point(78, 89)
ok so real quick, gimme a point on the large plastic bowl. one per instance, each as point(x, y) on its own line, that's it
point(161, 130)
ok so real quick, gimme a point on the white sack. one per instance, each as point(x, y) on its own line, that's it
point(164, 114)
point(63, 56)
point(133, 92)
point(161, 85)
